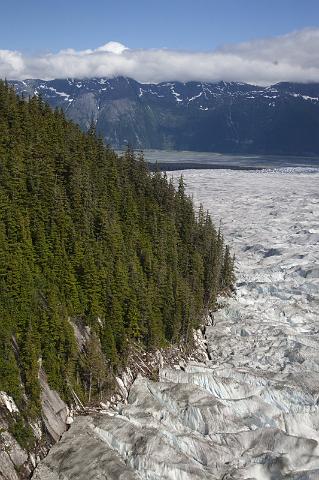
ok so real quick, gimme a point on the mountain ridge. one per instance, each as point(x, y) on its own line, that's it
point(226, 117)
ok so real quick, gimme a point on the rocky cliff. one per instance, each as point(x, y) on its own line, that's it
point(20, 449)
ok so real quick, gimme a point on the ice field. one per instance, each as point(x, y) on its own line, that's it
point(251, 411)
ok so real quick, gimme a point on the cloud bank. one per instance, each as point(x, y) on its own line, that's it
point(291, 57)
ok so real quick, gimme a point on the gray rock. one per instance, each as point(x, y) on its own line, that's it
point(54, 411)
point(7, 468)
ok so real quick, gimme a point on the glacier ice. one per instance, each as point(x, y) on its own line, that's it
point(251, 410)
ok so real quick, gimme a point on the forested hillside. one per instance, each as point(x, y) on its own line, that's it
point(89, 237)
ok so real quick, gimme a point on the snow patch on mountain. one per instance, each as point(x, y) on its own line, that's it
point(176, 94)
point(305, 97)
point(194, 97)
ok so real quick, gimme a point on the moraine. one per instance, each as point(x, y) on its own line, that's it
point(251, 410)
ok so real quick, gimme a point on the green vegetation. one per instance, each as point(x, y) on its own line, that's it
point(23, 433)
point(90, 236)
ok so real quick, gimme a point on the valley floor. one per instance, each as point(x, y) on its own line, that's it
point(252, 409)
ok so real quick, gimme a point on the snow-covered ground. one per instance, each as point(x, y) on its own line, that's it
point(252, 410)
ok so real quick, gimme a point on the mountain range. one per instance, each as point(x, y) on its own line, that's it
point(227, 117)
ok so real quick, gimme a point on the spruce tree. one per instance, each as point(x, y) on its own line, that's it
point(92, 238)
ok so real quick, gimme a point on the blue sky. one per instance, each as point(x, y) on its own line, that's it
point(40, 26)
point(254, 41)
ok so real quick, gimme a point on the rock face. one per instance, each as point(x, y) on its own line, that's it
point(250, 411)
point(214, 117)
point(12, 457)
point(16, 462)
point(54, 411)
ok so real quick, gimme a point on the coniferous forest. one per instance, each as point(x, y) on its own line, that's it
point(88, 236)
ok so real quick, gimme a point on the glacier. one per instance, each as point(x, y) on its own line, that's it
point(251, 410)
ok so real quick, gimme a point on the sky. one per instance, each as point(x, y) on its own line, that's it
point(256, 41)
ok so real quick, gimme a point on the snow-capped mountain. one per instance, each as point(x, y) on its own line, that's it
point(224, 117)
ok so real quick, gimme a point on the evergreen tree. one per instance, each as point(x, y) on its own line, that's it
point(92, 237)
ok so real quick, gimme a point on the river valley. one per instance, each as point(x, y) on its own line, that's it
point(251, 410)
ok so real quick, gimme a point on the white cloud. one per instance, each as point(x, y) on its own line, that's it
point(112, 47)
point(291, 57)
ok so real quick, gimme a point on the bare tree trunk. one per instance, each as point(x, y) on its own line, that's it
point(90, 387)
